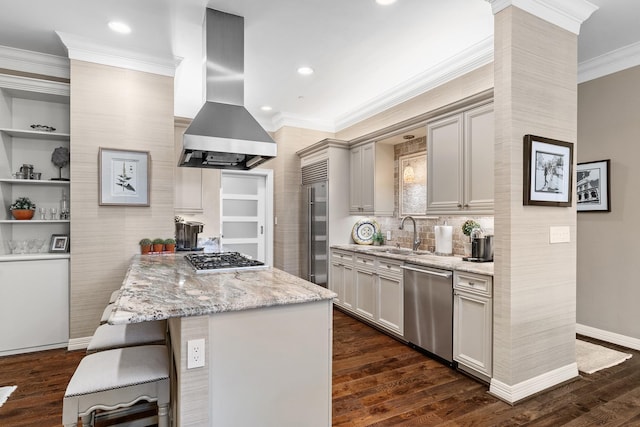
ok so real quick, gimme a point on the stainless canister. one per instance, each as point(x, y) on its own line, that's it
point(27, 170)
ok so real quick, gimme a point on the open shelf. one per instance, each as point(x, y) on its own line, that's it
point(33, 257)
point(35, 134)
point(33, 181)
point(32, 221)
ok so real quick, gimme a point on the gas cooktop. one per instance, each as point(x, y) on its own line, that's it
point(222, 261)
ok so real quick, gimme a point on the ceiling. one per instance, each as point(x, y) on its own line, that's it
point(364, 55)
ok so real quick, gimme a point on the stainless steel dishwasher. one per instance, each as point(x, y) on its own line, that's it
point(428, 310)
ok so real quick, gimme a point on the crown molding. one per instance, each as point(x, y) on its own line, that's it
point(609, 63)
point(83, 49)
point(34, 62)
point(567, 14)
point(283, 119)
point(473, 57)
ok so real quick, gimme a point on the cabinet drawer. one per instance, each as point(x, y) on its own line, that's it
point(340, 256)
point(365, 261)
point(389, 267)
point(475, 283)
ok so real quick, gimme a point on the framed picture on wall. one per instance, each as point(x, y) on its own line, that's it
point(593, 189)
point(123, 177)
point(548, 170)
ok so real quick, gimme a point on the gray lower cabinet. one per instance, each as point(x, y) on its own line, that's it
point(473, 323)
point(370, 287)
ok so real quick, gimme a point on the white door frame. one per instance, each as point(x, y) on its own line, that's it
point(268, 206)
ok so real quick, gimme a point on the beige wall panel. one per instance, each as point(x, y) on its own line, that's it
point(122, 109)
point(534, 291)
point(287, 189)
point(608, 128)
point(462, 87)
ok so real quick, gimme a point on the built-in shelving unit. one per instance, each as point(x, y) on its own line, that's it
point(34, 288)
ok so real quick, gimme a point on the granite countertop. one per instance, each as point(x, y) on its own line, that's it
point(422, 258)
point(162, 286)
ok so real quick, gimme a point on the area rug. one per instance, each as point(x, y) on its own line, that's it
point(5, 392)
point(592, 357)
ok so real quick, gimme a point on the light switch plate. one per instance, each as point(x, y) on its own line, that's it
point(559, 234)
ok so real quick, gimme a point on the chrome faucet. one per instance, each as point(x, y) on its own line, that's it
point(416, 239)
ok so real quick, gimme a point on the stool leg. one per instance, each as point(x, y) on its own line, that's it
point(163, 415)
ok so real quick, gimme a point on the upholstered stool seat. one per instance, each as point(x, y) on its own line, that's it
point(114, 296)
point(106, 313)
point(115, 336)
point(118, 378)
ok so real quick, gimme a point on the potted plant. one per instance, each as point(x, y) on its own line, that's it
point(22, 208)
point(378, 238)
point(170, 245)
point(158, 244)
point(468, 226)
point(145, 246)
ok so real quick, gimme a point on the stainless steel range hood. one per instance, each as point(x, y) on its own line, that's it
point(224, 135)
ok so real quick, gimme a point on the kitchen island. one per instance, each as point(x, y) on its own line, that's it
point(267, 339)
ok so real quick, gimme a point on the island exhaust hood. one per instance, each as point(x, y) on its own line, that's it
point(224, 135)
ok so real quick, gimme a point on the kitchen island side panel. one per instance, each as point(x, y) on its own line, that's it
point(271, 366)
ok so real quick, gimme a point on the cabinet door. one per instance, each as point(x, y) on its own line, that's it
point(35, 309)
point(367, 178)
point(349, 287)
point(479, 157)
point(390, 303)
point(188, 184)
point(366, 293)
point(472, 332)
point(355, 164)
point(445, 167)
point(336, 282)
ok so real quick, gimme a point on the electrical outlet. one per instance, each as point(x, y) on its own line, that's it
point(388, 234)
point(559, 234)
point(195, 353)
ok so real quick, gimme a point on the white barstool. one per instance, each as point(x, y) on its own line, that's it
point(132, 334)
point(118, 378)
point(106, 313)
point(114, 296)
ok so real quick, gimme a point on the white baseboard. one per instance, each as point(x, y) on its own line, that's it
point(612, 337)
point(514, 393)
point(78, 343)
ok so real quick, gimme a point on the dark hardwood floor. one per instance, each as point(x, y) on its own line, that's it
point(377, 381)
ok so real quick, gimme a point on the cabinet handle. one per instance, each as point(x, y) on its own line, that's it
point(459, 205)
point(466, 205)
point(472, 284)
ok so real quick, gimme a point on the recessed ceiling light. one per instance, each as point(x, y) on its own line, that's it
point(266, 108)
point(385, 2)
point(305, 71)
point(119, 27)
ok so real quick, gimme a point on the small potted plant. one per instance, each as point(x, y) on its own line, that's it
point(378, 239)
point(158, 244)
point(23, 208)
point(468, 226)
point(170, 245)
point(145, 246)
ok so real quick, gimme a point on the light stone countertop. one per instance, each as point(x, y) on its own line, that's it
point(422, 258)
point(163, 286)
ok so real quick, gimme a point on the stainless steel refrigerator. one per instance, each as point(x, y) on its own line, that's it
point(315, 242)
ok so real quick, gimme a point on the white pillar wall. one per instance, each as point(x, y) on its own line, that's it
point(535, 76)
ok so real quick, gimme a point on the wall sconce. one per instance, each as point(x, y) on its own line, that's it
point(408, 176)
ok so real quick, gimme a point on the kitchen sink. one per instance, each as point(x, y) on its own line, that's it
point(400, 251)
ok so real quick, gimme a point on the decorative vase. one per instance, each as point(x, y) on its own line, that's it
point(158, 247)
point(22, 214)
point(145, 249)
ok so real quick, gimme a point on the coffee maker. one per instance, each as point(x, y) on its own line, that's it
point(187, 235)
point(481, 246)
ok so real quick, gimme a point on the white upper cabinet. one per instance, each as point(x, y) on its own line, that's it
point(371, 189)
point(460, 162)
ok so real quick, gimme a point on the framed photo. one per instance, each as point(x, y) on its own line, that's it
point(413, 184)
point(548, 170)
point(59, 243)
point(592, 187)
point(123, 177)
